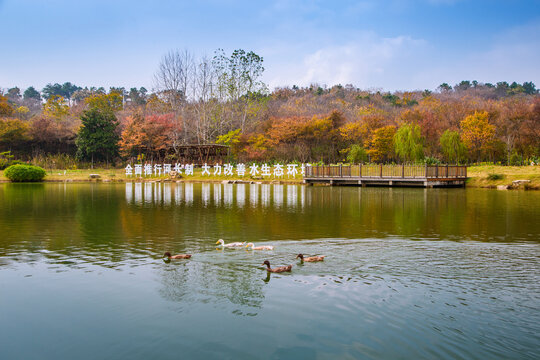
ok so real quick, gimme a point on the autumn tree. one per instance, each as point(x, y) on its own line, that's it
point(409, 143)
point(477, 134)
point(453, 149)
point(5, 107)
point(97, 139)
point(13, 132)
point(381, 144)
point(56, 106)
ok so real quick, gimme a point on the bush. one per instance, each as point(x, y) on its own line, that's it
point(495, 176)
point(24, 173)
point(515, 160)
point(430, 160)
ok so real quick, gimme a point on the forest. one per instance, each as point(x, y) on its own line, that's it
point(223, 100)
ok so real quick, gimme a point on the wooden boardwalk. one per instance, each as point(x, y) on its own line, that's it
point(388, 175)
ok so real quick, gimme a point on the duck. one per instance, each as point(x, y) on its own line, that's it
point(278, 269)
point(178, 256)
point(311, 258)
point(262, 247)
point(234, 244)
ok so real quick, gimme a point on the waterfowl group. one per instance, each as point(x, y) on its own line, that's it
point(279, 269)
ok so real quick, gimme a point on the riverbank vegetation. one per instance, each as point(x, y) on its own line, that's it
point(223, 100)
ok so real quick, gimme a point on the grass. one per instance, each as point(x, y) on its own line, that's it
point(479, 176)
point(493, 175)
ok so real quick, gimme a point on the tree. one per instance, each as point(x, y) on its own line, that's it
point(13, 132)
point(107, 102)
point(381, 144)
point(357, 154)
point(31, 94)
point(238, 76)
point(65, 90)
point(5, 108)
point(56, 107)
point(409, 143)
point(463, 85)
point(452, 147)
point(477, 134)
point(444, 87)
point(14, 94)
point(150, 135)
point(530, 88)
point(97, 138)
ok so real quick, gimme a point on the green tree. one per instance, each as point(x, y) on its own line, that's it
point(409, 143)
point(453, 148)
point(357, 154)
point(97, 139)
point(31, 94)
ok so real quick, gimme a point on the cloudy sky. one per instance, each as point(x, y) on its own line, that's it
point(391, 45)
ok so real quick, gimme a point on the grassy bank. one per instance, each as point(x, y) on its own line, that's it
point(491, 176)
point(486, 176)
point(110, 175)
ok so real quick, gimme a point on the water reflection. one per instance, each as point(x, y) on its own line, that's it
point(65, 248)
point(254, 194)
point(205, 194)
point(240, 195)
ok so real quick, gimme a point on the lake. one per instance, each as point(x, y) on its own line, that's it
point(409, 273)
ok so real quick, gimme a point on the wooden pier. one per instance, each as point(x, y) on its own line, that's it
point(387, 175)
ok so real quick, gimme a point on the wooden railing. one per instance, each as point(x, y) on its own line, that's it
point(387, 171)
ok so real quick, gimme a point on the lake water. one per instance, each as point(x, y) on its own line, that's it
point(409, 273)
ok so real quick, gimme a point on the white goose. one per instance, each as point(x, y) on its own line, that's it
point(262, 247)
point(234, 244)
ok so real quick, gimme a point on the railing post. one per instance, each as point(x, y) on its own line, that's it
point(437, 171)
point(402, 170)
point(381, 170)
point(360, 170)
point(447, 171)
point(340, 170)
point(426, 171)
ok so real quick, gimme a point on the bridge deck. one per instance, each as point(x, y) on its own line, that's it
point(387, 175)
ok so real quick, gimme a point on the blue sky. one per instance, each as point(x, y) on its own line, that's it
point(390, 45)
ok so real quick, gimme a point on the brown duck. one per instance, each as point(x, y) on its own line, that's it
point(179, 256)
point(311, 258)
point(278, 269)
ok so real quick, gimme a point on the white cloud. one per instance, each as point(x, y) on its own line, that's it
point(368, 61)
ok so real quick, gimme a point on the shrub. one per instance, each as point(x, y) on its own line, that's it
point(430, 160)
point(515, 160)
point(24, 173)
point(495, 176)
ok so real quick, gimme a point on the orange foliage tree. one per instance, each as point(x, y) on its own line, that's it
point(478, 134)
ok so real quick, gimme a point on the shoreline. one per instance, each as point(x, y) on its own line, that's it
point(480, 176)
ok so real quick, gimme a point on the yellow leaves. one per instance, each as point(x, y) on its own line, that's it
point(477, 133)
point(13, 130)
point(381, 144)
point(110, 102)
point(56, 106)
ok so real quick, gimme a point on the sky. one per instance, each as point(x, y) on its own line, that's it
point(372, 44)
